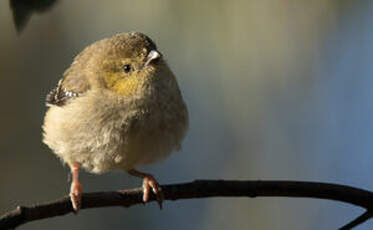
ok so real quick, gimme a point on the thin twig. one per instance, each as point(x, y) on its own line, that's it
point(196, 189)
point(359, 220)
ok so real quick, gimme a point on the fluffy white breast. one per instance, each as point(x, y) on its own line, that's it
point(103, 133)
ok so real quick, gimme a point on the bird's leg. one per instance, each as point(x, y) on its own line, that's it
point(149, 182)
point(76, 188)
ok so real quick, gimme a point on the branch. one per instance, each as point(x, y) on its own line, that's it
point(359, 220)
point(197, 189)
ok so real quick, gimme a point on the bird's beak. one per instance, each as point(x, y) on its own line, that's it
point(152, 56)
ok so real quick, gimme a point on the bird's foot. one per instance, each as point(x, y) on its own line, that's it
point(150, 184)
point(76, 190)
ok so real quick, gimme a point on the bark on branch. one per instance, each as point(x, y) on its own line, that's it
point(199, 189)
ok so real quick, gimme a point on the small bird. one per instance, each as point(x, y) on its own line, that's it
point(118, 106)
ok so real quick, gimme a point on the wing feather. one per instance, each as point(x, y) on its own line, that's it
point(59, 95)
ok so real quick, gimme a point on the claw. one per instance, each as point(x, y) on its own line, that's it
point(76, 188)
point(150, 182)
point(76, 195)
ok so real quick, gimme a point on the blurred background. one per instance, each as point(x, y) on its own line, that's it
point(276, 89)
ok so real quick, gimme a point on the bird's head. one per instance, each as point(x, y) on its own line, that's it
point(126, 63)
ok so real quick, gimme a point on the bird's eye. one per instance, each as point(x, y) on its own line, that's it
point(127, 68)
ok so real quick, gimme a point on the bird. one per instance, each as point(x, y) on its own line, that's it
point(117, 107)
